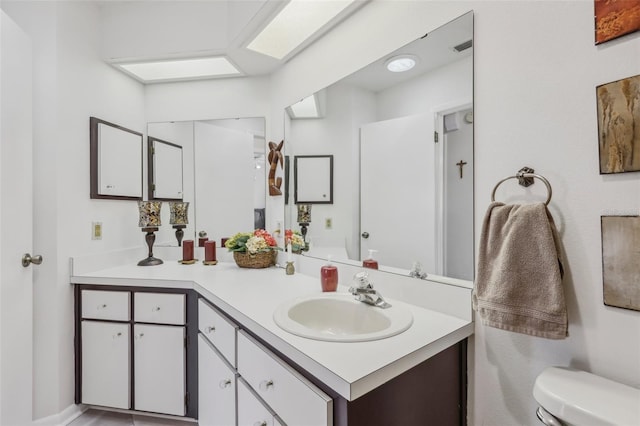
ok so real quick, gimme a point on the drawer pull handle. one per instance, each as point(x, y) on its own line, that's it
point(266, 384)
point(139, 336)
point(104, 305)
point(225, 383)
point(210, 329)
point(117, 335)
point(262, 423)
point(156, 309)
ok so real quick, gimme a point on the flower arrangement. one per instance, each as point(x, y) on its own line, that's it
point(255, 249)
point(295, 239)
point(252, 242)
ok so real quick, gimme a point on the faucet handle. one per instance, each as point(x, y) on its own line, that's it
point(362, 279)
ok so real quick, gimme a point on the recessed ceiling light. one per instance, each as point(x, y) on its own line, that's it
point(401, 63)
point(180, 69)
point(295, 23)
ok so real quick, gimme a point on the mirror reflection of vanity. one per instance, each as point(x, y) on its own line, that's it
point(223, 163)
point(397, 189)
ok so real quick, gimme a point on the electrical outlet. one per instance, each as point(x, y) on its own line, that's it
point(96, 230)
point(328, 223)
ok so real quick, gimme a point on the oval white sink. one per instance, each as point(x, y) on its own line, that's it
point(340, 318)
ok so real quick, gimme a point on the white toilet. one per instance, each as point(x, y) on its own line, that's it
point(574, 397)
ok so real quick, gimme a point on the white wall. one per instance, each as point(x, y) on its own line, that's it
point(536, 69)
point(71, 84)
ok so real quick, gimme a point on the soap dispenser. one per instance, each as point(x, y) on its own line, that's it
point(329, 276)
point(370, 262)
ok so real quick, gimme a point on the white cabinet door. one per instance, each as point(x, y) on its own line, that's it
point(216, 388)
point(159, 369)
point(251, 412)
point(106, 368)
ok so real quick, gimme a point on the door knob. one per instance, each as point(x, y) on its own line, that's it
point(27, 260)
point(365, 235)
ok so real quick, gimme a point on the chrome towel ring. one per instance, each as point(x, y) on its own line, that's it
point(525, 178)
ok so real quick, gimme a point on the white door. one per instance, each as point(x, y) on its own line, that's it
point(216, 388)
point(228, 153)
point(159, 369)
point(16, 215)
point(398, 166)
point(458, 199)
point(106, 364)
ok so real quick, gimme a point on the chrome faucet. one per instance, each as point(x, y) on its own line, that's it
point(417, 272)
point(364, 291)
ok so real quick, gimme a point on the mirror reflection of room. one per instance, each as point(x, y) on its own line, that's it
point(223, 175)
point(381, 125)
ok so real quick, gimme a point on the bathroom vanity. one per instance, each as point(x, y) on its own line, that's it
point(200, 342)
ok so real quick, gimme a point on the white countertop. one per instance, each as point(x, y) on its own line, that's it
point(250, 296)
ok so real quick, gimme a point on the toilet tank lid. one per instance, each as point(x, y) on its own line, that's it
point(578, 397)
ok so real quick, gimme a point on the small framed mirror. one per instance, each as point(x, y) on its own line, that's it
point(165, 170)
point(116, 161)
point(313, 179)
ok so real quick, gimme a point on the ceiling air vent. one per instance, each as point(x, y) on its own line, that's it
point(463, 46)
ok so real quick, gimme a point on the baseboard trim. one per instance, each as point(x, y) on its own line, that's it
point(63, 418)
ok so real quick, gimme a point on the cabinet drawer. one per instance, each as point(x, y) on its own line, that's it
point(296, 400)
point(218, 329)
point(159, 308)
point(251, 411)
point(106, 305)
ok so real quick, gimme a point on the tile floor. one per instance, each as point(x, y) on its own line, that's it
point(106, 418)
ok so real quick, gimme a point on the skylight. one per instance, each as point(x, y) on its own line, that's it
point(306, 108)
point(180, 69)
point(297, 22)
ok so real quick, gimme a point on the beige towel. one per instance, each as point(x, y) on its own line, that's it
point(519, 276)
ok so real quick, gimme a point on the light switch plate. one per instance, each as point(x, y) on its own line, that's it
point(96, 230)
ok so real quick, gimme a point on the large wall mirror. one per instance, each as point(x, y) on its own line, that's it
point(401, 134)
point(223, 175)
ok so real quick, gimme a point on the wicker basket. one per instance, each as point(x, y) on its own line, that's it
point(256, 261)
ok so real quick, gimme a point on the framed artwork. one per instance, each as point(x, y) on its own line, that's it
point(619, 125)
point(615, 18)
point(620, 263)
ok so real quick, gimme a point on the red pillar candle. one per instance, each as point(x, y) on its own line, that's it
point(202, 240)
point(187, 250)
point(209, 251)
